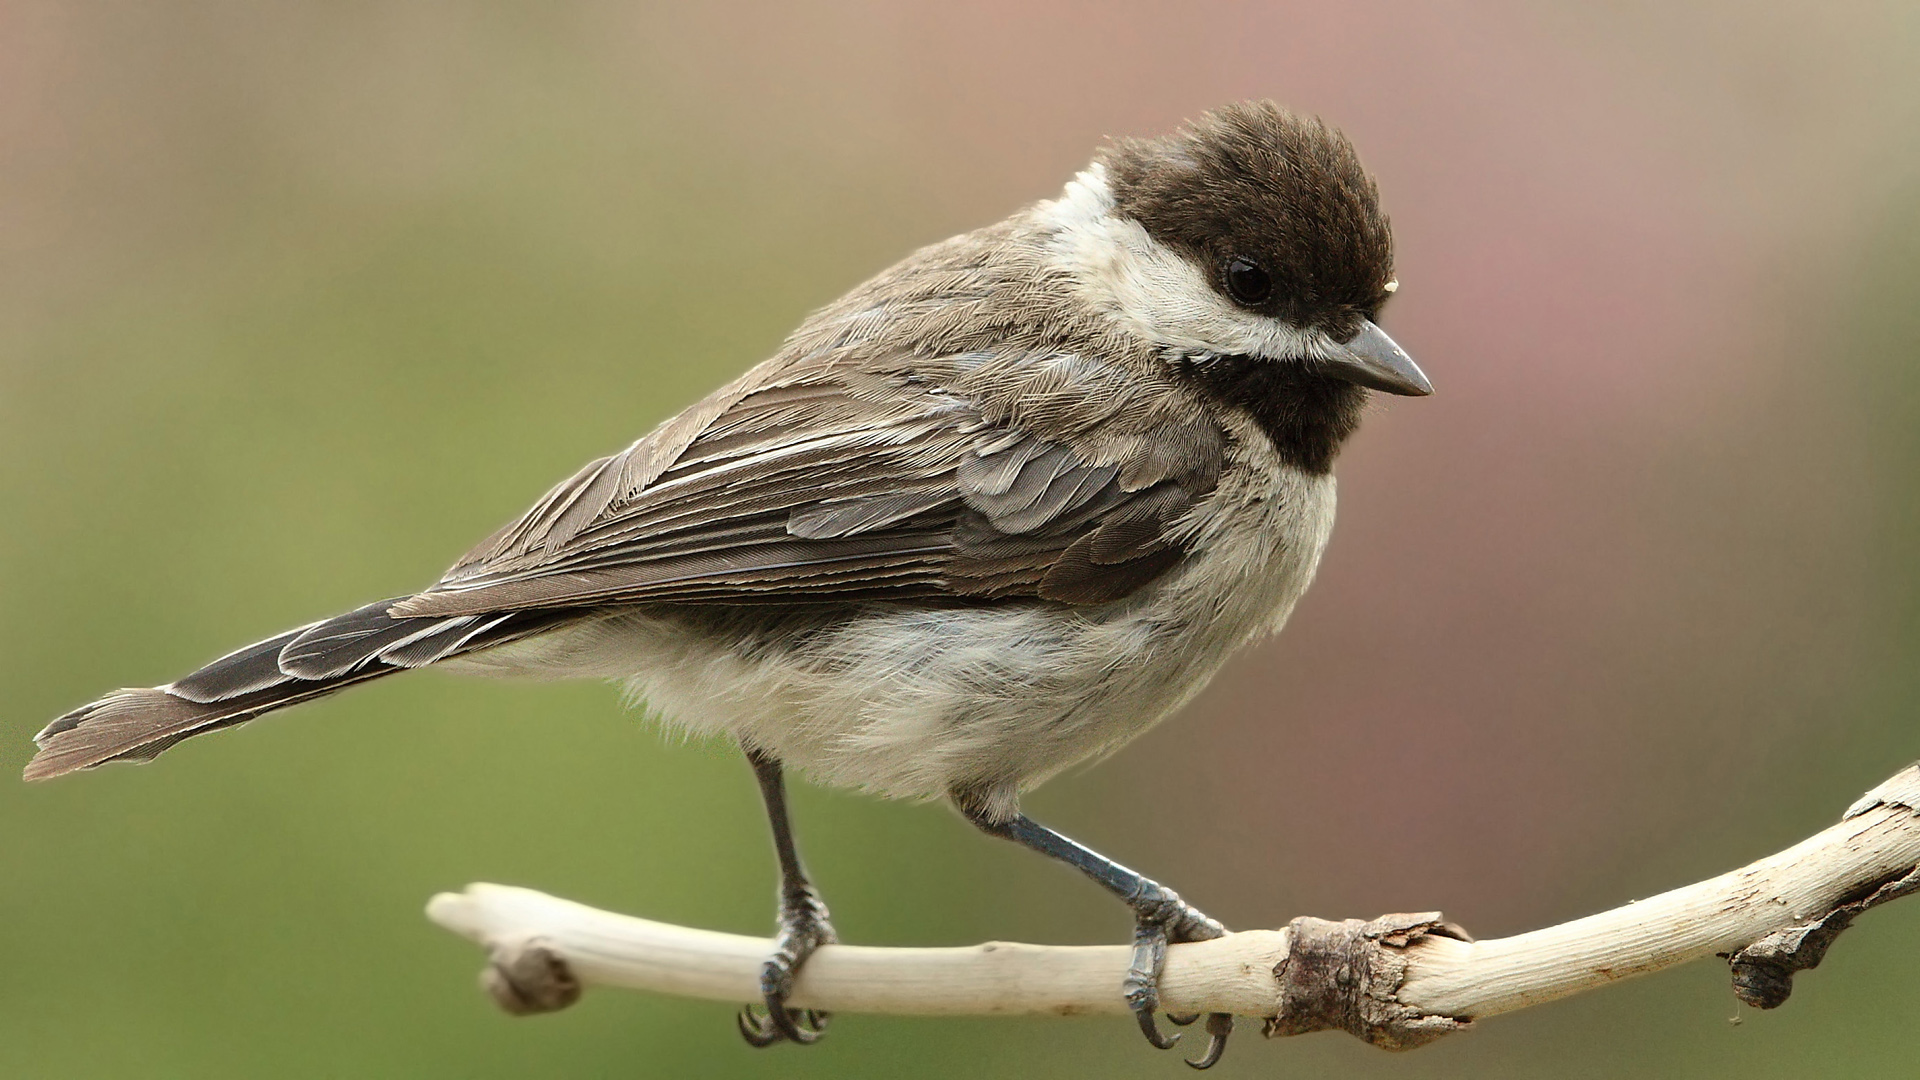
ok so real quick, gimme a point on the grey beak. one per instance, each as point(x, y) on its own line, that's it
point(1371, 359)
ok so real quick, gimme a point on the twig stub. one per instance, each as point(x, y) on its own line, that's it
point(1345, 976)
point(1763, 971)
point(527, 975)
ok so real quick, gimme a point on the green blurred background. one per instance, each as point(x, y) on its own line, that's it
point(296, 302)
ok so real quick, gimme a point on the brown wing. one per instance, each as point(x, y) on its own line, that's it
point(832, 485)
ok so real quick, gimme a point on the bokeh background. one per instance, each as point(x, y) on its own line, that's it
point(296, 302)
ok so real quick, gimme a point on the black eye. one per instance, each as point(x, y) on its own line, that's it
point(1247, 282)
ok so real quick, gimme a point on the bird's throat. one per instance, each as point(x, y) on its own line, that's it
point(1306, 416)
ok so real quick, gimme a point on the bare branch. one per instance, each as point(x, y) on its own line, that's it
point(1397, 981)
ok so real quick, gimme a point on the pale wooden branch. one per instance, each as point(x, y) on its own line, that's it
point(1397, 981)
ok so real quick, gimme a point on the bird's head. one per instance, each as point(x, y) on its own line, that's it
point(1251, 232)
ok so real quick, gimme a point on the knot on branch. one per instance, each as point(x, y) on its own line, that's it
point(1346, 976)
point(528, 975)
point(1763, 971)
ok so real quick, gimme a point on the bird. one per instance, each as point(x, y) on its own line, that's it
point(993, 513)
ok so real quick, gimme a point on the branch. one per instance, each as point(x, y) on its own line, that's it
point(1397, 981)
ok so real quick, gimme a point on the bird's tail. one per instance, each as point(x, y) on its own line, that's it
point(297, 666)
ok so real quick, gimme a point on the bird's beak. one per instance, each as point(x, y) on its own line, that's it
point(1371, 359)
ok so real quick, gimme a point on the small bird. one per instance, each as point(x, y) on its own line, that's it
point(997, 511)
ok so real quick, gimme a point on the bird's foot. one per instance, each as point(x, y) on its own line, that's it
point(803, 928)
point(1161, 918)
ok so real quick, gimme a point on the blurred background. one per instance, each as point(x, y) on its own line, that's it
point(297, 302)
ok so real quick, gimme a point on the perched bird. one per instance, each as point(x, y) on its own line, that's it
point(997, 511)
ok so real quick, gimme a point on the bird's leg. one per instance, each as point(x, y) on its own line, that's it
point(1160, 918)
point(803, 925)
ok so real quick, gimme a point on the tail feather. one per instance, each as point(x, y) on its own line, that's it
point(240, 672)
point(287, 669)
point(346, 642)
point(450, 637)
point(137, 724)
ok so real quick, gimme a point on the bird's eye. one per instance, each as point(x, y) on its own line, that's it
point(1247, 282)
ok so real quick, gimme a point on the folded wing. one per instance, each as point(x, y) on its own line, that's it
point(828, 485)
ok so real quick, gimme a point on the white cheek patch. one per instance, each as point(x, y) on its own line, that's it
point(1151, 289)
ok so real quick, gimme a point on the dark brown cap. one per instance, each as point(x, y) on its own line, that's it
point(1254, 181)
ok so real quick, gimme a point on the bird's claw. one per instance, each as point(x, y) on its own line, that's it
point(1152, 1030)
point(803, 928)
point(1219, 1026)
point(765, 1025)
point(1163, 919)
